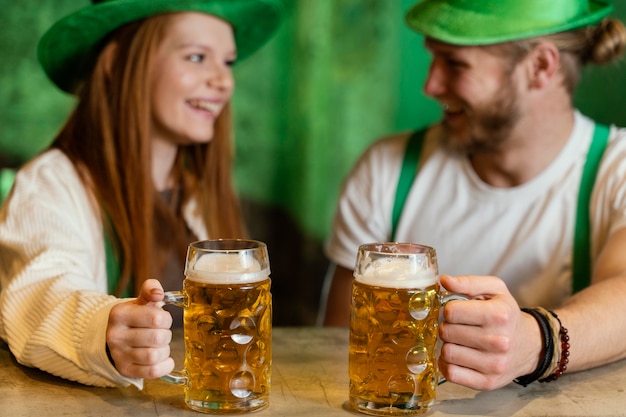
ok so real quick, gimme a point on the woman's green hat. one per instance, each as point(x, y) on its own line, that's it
point(67, 51)
point(484, 22)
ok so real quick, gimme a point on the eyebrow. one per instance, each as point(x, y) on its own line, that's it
point(232, 53)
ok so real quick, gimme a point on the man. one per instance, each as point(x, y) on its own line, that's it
point(496, 191)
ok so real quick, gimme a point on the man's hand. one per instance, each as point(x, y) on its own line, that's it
point(138, 334)
point(488, 341)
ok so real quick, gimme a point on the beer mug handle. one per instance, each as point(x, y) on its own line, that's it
point(444, 298)
point(175, 377)
point(447, 296)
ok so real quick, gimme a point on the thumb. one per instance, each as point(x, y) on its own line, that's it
point(474, 286)
point(151, 292)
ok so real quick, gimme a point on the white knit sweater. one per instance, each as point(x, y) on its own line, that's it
point(54, 306)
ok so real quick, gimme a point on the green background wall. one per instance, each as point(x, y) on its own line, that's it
point(339, 74)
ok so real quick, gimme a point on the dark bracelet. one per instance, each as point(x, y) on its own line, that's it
point(548, 349)
point(564, 360)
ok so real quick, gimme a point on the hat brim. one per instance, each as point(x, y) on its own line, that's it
point(68, 49)
point(440, 20)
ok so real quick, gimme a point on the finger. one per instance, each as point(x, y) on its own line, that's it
point(474, 286)
point(147, 356)
point(493, 312)
point(469, 377)
point(151, 292)
point(132, 370)
point(131, 315)
point(146, 338)
point(475, 337)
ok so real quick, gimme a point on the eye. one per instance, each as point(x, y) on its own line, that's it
point(198, 58)
point(454, 63)
point(230, 62)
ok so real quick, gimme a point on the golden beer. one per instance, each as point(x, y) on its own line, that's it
point(394, 324)
point(227, 322)
point(228, 354)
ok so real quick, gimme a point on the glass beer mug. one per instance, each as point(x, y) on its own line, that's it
point(394, 325)
point(227, 321)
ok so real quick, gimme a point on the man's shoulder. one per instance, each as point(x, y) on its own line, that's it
point(400, 139)
point(394, 145)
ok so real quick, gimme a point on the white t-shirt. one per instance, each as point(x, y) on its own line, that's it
point(522, 234)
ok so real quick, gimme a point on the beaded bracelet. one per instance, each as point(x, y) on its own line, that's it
point(548, 349)
point(564, 360)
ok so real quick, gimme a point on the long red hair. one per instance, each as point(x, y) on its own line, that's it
point(107, 138)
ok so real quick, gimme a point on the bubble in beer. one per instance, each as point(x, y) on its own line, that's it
point(245, 329)
point(256, 354)
point(229, 301)
point(388, 307)
point(402, 333)
point(430, 331)
point(195, 352)
point(401, 383)
point(226, 357)
point(384, 360)
point(417, 359)
point(209, 329)
point(254, 301)
point(241, 384)
point(420, 305)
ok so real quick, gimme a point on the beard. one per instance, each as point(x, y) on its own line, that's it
point(488, 126)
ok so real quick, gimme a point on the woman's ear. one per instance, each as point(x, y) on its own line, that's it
point(108, 56)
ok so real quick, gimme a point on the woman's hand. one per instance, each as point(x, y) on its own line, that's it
point(138, 334)
point(488, 341)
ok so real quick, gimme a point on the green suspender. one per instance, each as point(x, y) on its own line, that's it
point(407, 174)
point(581, 263)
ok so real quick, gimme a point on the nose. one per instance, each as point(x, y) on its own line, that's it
point(221, 77)
point(434, 86)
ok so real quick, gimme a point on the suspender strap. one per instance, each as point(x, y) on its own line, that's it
point(581, 262)
point(407, 174)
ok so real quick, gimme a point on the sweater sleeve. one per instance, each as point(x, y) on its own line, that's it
point(53, 305)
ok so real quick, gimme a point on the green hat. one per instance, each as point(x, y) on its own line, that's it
point(484, 22)
point(67, 51)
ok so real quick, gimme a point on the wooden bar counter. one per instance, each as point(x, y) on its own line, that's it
point(309, 378)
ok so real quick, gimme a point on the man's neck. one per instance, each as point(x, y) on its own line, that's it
point(530, 148)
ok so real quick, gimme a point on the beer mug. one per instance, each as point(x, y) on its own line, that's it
point(227, 319)
point(394, 326)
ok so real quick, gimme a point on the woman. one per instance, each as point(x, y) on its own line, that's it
point(141, 167)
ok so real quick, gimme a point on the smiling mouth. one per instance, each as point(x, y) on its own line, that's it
point(208, 106)
point(451, 109)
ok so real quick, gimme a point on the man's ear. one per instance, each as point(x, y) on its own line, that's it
point(542, 65)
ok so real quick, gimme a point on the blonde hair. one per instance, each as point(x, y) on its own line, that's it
point(598, 44)
point(107, 138)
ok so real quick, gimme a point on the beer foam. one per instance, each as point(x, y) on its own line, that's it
point(397, 273)
point(226, 268)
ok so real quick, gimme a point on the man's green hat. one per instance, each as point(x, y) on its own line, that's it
point(67, 51)
point(484, 22)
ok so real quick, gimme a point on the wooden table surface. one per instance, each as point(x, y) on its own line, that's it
point(309, 378)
